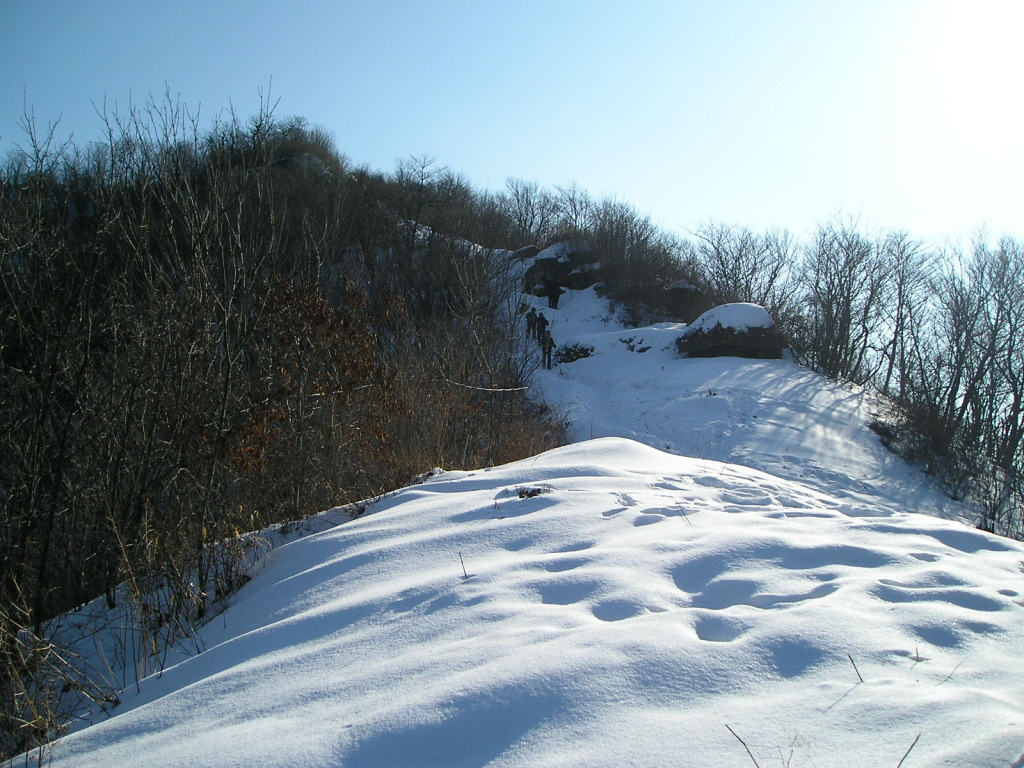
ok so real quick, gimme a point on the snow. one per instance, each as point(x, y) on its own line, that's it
point(725, 546)
point(772, 415)
point(561, 251)
point(740, 316)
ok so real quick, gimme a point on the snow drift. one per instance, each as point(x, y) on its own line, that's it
point(619, 606)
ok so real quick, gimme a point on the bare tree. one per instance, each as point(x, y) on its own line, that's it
point(910, 268)
point(415, 184)
point(737, 264)
point(846, 289)
point(532, 210)
point(575, 208)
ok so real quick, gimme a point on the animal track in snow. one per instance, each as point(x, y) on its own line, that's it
point(939, 635)
point(808, 558)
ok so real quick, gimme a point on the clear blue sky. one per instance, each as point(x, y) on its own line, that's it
point(759, 112)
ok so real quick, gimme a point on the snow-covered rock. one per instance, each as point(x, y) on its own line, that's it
point(739, 316)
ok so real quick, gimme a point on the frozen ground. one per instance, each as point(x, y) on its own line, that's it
point(733, 557)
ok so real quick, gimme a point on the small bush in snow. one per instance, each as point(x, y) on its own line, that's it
point(757, 343)
point(634, 346)
point(573, 352)
point(528, 492)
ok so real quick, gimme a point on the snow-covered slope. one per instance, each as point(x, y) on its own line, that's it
point(772, 415)
point(610, 603)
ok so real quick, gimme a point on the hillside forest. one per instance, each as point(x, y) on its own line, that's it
point(208, 331)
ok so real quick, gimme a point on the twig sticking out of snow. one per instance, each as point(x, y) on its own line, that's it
point(951, 673)
point(741, 741)
point(908, 751)
point(855, 667)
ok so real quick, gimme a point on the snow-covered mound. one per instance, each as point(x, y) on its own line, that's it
point(739, 316)
point(619, 606)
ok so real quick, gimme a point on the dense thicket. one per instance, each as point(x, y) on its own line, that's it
point(205, 332)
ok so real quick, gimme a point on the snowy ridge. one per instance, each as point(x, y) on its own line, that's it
point(610, 603)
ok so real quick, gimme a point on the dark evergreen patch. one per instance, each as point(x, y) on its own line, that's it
point(757, 343)
point(573, 352)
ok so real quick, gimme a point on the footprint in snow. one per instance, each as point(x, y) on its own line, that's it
point(617, 610)
point(564, 564)
point(648, 519)
point(961, 598)
point(853, 510)
point(714, 628)
point(747, 498)
point(965, 540)
point(711, 481)
point(795, 657)
point(567, 592)
point(577, 546)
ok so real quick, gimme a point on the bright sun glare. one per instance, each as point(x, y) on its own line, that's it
point(979, 73)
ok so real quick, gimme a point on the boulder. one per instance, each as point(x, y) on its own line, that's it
point(733, 330)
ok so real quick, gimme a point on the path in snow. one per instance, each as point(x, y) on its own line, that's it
point(772, 415)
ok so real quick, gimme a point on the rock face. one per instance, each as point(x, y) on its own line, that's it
point(569, 264)
point(733, 330)
point(526, 252)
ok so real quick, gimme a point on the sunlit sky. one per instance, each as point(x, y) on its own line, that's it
point(906, 113)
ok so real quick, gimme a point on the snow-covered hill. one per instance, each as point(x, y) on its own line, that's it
point(771, 415)
point(733, 556)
